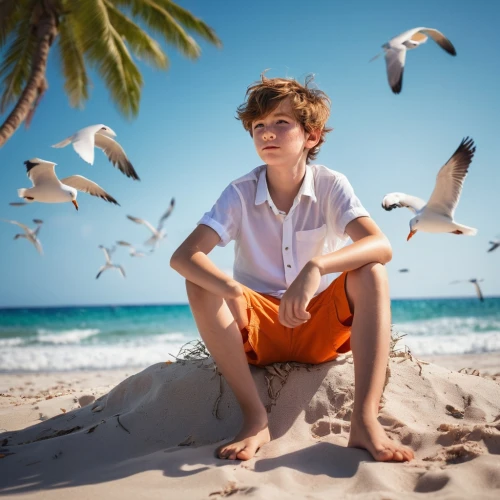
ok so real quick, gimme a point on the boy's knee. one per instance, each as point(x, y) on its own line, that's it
point(369, 275)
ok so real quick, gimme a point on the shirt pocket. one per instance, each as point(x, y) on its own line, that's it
point(309, 244)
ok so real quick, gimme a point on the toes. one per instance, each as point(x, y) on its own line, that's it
point(398, 456)
point(247, 453)
point(384, 455)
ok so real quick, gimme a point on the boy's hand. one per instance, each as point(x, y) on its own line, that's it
point(292, 310)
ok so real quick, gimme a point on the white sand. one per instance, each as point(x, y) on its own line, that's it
point(162, 445)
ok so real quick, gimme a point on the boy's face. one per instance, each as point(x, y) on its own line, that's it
point(280, 139)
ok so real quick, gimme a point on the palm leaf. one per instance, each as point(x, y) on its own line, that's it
point(106, 51)
point(9, 15)
point(143, 46)
point(162, 22)
point(73, 65)
point(16, 65)
point(191, 22)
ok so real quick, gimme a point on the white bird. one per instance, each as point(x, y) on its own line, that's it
point(109, 264)
point(436, 216)
point(133, 252)
point(47, 188)
point(475, 282)
point(395, 52)
point(30, 234)
point(158, 233)
point(99, 136)
point(495, 244)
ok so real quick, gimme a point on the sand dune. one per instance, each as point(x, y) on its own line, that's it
point(153, 435)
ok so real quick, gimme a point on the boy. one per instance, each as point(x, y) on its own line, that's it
point(290, 221)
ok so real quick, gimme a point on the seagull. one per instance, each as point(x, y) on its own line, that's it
point(436, 216)
point(495, 244)
point(100, 136)
point(109, 264)
point(17, 203)
point(395, 52)
point(133, 251)
point(30, 234)
point(404, 270)
point(158, 233)
point(47, 188)
point(475, 282)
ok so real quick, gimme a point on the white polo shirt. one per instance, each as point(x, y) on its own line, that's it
point(271, 247)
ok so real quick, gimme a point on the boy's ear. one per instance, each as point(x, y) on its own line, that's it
point(313, 138)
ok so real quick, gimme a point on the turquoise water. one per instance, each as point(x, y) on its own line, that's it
point(136, 336)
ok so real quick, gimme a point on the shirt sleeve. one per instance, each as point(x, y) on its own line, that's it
point(225, 216)
point(344, 206)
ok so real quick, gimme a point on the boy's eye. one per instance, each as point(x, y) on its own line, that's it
point(281, 121)
point(257, 125)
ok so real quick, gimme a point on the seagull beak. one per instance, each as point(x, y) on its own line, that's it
point(75, 203)
point(411, 235)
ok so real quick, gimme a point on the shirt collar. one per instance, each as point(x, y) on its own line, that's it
point(306, 188)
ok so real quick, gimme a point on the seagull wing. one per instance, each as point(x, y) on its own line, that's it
point(400, 200)
point(143, 221)
point(116, 155)
point(120, 268)
point(495, 245)
point(42, 173)
point(84, 140)
point(37, 244)
point(450, 179)
point(101, 270)
point(395, 61)
point(166, 215)
point(478, 291)
point(440, 39)
point(87, 186)
point(106, 253)
point(26, 229)
point(123, 243)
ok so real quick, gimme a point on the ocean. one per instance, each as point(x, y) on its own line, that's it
point(75, 338)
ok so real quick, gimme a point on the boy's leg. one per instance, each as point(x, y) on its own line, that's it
point(368, 294)
point(219, 325)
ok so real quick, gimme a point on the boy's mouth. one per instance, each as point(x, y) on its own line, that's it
point(270, 147)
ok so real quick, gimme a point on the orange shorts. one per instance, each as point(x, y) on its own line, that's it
point(318, 340)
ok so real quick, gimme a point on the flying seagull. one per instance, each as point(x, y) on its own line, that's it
point(495, 244)
point(47, 188)
point(436, 215)
point(133, 252)
point(17, 203)
point(395, 52)
point(158, 233)
point(404, 270)
point(99, 136)
point(475, 282)
point(109, 264)
point(30, 234)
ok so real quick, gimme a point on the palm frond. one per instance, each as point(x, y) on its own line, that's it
point(106, 51)
point(143, 46)
point(17, 63)
point(191, 22)
point(71, 52)
point(162, 22)
point(9, 16)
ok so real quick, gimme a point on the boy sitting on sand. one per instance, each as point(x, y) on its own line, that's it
point(290, 221)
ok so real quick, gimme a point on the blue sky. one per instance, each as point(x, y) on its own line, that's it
point(186, 144)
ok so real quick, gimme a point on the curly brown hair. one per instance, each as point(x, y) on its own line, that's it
point(311, 106)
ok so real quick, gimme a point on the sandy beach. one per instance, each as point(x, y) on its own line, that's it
point(152, 433)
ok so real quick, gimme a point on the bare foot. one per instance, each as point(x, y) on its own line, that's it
point(245, 445)
point(367, 433)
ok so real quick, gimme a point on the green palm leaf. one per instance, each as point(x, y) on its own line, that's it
point(9, 15)
point(106, 51)
point(71, 52)
point(16, 66)
point(143, 46)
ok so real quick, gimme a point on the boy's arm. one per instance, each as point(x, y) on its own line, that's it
point(191, 261)
point(369, 245)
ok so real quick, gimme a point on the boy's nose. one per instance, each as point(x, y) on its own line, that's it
point(268, 135)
